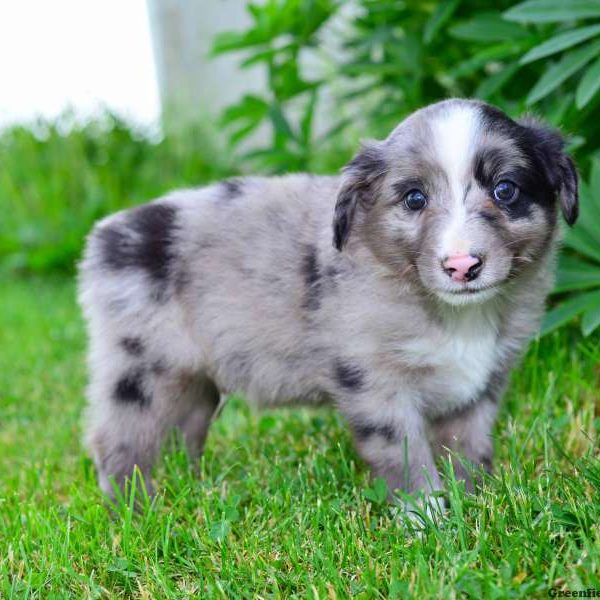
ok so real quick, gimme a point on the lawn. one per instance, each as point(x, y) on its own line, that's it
point(282, 506)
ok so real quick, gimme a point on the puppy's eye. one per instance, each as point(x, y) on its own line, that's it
point(415, 200)
point(506, 192)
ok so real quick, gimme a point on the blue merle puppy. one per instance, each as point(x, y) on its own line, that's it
point(402, 292)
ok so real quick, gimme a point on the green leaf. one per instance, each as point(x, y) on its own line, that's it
point(307, 118)
point(562, 70)
point(591, 319)
point(231, 41)
point(561, 42)
point(280, 122)
point(553, 11)
point(580, 239)
point(484, 57)
point(589, 209)
point(378, 493)
point(249, 107)
point(566, 311)
point(487, 27)
point(576, 274)
point(589, 213)
point(589, 85)
point(438, 19)
point(595, 180)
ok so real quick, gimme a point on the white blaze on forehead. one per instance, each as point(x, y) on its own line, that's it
point(454, 137)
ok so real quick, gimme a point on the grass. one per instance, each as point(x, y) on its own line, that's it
point(282, 506)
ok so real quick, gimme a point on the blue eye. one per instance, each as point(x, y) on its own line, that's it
point(506, 192)
point(415, 200)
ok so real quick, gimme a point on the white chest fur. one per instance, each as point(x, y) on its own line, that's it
point(459, 358)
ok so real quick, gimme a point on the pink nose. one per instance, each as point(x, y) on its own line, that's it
point(462, 268)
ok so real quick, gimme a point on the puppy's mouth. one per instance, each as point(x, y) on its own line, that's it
point(467, 291)
point(467, 295)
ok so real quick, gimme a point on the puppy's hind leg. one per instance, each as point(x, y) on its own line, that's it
point(133, 406)
point(194, 423)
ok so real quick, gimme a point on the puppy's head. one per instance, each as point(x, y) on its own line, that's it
point(461, 193)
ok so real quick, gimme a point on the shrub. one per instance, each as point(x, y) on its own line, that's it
point(56, 179)
point(399, 56)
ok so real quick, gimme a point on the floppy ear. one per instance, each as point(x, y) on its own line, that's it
point(558, 168)
point(569, 190)
point(357, 188)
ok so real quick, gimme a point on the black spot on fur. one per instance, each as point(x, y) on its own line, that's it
point(348, 376)
point(366, 430)
point(487, 462)
point(343, 217)
point(133, 346)
point(489, 169)
point(233, 187)
point(159, 367)
point(332, 271)
point(145, 240)
point(312, 279)
point(129, 389)
point(495, 385)
point(549, 173)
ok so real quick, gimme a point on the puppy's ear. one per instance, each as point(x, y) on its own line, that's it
point(359, 180)
point(569, 190)
point(558, 168)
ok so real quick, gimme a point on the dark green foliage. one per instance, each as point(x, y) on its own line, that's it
point(281, 30)
point(400, 55)
point(56, 179)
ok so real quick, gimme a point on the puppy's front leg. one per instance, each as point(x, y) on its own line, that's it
point(391, 437)
point(467, 436)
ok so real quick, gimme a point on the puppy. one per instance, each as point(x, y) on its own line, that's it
point(402, 292)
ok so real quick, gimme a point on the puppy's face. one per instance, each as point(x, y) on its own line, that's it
point(461, 194)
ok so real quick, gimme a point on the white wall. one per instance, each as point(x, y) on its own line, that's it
point(86, 54)
point(190, 83)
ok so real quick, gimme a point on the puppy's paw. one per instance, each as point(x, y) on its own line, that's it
point(423, 510)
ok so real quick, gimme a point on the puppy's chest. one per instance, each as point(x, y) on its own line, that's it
point(456, 364)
